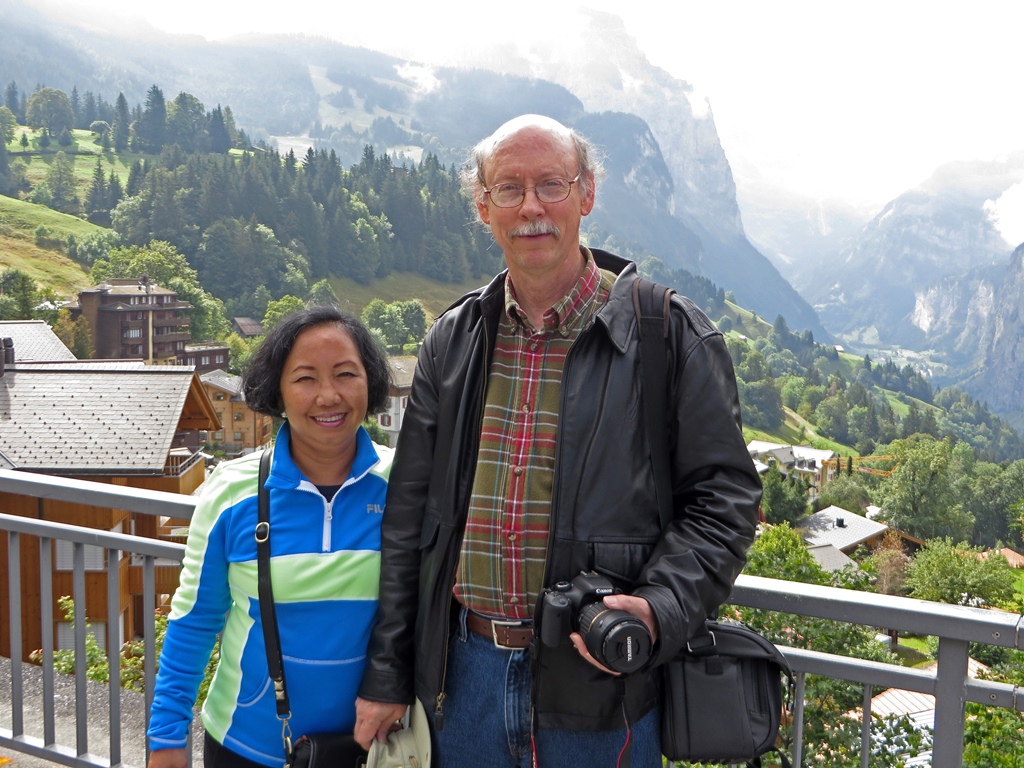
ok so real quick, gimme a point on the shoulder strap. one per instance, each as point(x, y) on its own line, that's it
point(268, 613)
point(651, 304)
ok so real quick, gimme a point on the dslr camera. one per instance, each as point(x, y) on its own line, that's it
point(616, 639)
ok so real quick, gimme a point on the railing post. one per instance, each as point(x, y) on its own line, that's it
point(950, 704)
point(798, 719)
point(14, 629)
point(46, 611)
point(865, 729)
point(114, 620)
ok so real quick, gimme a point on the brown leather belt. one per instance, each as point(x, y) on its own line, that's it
point(510, 635)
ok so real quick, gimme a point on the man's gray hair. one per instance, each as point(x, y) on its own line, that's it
point(587, 155)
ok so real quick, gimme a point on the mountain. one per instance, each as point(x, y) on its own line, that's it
point(797, 232)
point(669, 191)
point(1000, 381)
point(600, 64)
point(879, 287)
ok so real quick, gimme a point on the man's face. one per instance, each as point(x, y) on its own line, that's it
point(537, 239)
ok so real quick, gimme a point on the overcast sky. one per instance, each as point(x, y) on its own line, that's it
point(832, 98)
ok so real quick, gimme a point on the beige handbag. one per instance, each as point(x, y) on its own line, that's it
point(405, 748)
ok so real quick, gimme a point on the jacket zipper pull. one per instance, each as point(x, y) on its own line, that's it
point(439, 712)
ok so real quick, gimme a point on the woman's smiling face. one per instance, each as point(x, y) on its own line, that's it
point(324, 392)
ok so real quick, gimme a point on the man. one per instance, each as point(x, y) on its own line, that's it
point(524, 460)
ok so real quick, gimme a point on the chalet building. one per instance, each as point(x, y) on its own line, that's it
point(242, 429)
point(205, 356)
point(838, 529)
point(810, 464)
point(247, 327)
point(402, 369)
point(123, 423)
point(134, 320)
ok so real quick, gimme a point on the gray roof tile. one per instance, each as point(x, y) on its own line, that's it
point(90, 418)
point(34, 341)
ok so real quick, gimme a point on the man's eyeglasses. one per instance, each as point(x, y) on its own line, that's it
point(510, 195)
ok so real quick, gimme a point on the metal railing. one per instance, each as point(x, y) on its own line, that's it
point(948, 682)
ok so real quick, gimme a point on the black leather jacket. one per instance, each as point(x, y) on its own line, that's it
point(604, 511)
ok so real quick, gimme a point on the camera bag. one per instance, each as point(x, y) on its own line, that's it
point(723, 695)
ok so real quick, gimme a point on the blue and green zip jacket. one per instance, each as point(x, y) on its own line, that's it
point(325, 568)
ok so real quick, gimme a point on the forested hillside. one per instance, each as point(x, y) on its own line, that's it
point(175, 183)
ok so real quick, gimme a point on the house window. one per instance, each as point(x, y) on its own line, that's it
point(133, 333)
point(218, 436)
point(405, 403)
point(95, 557)
point(218, 396)
point(384, 419)
point(66, 635)
point(238, 416)
point(206, 360)
point(238, 437)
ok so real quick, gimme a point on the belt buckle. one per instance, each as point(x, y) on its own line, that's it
point(495, 623)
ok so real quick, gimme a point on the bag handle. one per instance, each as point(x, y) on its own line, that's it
point(268, 612)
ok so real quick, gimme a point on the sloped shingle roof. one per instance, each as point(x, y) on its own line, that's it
point(402, 369)
point(34, 341)
point(93, 418)
point(225, 381)
point(823, 528)
point(830, 558)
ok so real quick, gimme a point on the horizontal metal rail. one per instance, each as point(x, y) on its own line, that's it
point(949, 683)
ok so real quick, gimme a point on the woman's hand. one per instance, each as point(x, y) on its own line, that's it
point(374, 719)
point(167, 758)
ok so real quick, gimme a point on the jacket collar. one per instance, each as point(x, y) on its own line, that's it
point(617, 316)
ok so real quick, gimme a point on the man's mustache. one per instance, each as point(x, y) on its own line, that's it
point(534, 228)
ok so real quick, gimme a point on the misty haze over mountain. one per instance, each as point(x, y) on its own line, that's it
point(928, 278)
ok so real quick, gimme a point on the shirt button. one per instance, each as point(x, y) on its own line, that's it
point(512, 536)
point(514, 600)
point(526, 408)
point(517, 471)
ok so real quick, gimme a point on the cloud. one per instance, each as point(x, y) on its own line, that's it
point(1007, 213)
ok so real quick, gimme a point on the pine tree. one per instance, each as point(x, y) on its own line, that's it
point(97, 200)
point(152, 127)
point(122, 123)
point(115, 192)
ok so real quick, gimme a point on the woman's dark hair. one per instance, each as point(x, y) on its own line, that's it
point(261, 381)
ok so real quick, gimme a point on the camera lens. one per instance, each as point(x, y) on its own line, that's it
point(617, 639)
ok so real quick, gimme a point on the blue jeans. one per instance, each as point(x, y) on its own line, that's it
point(487, 718)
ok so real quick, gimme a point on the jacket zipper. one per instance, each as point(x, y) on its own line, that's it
point(441, 695)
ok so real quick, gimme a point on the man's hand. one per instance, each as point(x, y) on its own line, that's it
point(637, 606)
point(374, 719)
point(167, 758)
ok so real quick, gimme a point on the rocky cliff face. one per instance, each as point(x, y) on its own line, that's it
point(603, 67)
point(917, 259)
point(1000, 382)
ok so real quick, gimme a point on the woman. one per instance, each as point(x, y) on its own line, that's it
point(322, 371)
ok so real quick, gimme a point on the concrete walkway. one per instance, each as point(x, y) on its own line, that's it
point(133, 719)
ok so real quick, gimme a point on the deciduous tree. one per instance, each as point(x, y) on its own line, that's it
point(920, 496)
point(50, 109)
point(8, 125)
point(958, 574)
